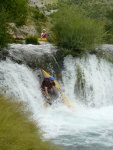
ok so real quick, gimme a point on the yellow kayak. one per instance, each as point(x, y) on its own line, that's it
point(56, 94)
point(42, 39)
point(64, 98)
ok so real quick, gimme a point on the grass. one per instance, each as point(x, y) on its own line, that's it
point(17, 132)
point(32, 40)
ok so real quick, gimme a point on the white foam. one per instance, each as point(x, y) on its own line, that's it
point(58, 122)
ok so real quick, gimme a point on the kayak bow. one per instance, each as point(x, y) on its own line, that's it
point(42, 39)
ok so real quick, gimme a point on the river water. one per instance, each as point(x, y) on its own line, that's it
point(89, 125)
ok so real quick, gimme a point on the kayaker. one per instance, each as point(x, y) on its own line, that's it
point(47, 86)
point(43, 34)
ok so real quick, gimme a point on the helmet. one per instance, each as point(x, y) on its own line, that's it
point(43, 30)
point(51, 78)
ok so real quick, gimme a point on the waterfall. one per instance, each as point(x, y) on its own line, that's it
point(18, 81)
point(86, 82)
point(90, 80)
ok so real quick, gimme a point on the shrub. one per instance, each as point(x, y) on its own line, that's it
point(17, 10)
point(11, 11)
point(75, 32)
point(4, 36)
point(38, 15)
point(32, 40)
point(109, 26)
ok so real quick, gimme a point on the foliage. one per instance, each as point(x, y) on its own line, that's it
point(32, 40)
point(16, 10)
point(97, 9)
point(4, 36)
point(93, 8)
point(11, 11)
point(109, 26)
point(17, 131)
point(80, 85)
point(38, 15)
point(76, 32)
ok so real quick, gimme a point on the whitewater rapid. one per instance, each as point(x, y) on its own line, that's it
point(89, 126)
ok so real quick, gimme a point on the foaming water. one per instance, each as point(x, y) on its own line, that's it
point(95, 83)
point(86, 127)
point(20, 82)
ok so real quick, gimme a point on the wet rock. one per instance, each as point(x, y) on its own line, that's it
point(3, 54)
point(35, 56)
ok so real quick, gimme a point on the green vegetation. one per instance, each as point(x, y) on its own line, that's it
point(102, 10)
point(4, 37)
point(11, 11)
point(80, 26)
point(75, 32)
point(16, 10)
point(38, 17)
point(80, 84)
point(17, 132)
point(32, 40)
point(76, 27)
point(109, 26)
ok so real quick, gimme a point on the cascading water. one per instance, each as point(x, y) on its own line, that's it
point(88, 84)
point(90, 80)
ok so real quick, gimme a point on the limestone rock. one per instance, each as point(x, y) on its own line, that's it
point(21, 32)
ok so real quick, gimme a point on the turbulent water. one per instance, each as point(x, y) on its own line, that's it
point(89, 126)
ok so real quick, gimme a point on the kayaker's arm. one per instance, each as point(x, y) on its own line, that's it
point(47, 94)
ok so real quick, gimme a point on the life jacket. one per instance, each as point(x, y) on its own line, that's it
point(50, 84)
point(43, 35)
